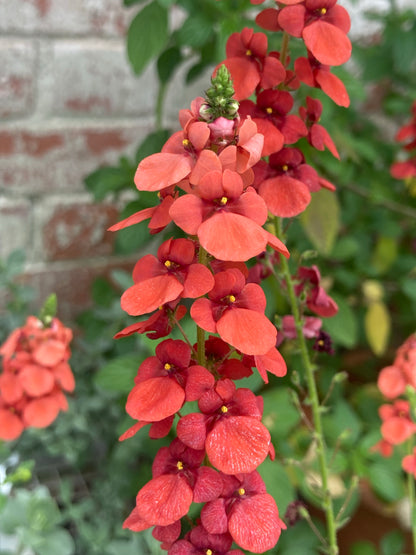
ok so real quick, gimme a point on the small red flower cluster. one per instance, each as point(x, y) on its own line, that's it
point(315, 299)
point(35, 374)
point(397, 421)
point(285, 182)
point(407, 169)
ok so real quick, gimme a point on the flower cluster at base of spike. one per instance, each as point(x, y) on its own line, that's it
point(35, 376)
point(398, 417)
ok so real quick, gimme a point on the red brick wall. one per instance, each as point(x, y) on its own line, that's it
point(68, 103)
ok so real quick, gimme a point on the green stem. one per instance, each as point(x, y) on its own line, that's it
point(159, 105)
point(309, 368)
point(200, 333)
point(388, 204)
point(412, 497)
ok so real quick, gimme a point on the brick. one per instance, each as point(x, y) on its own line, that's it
point(71, 281)
point(94, 78)
point(72, 229)
point(17, 78)
point(43, 159)
point(77, 17)
point(15, 225)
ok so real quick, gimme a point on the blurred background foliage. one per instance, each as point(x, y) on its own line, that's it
point(82, 482)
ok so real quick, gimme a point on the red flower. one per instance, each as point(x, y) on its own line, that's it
point(159, 324)
point(317, 299)
point(315, 74)
point(409, 463)
point(178, 480)
point(271, 117)
point(286, 182)
point(323, 26)
point(226, 219)
point(228, 428)
point(246, 511)
point(35, 371)
point(160, 280)
point(397, 425)
point(318, 136)
point(235, 310)
point(249, 64)
point(199, 542)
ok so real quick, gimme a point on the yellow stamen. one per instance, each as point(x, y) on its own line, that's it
point(321, 342)
point(208, 552)
point(248, 53)
point(241, 491)
point(167, 366)
point(223, 200)
point(186, 142)
point(285, 168)
point(161, 307)
point(323, 11)
point(231, 298)
point(168, 263)
point(179, 465)
point(224, 409)
point(269, 110)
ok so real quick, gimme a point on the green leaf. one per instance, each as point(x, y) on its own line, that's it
point(363, 548)
point(299, 539)
point(147, 35)
point(392, 543)
point(280, 416)
point(42, 511)
point(377, 324)
point(15, 263)
point(118, 375)
point(342, 327)
point(57, 541)
point(152, 143)
point(129, 240)
point(409, 287)
point(278, 483)
point(102, 292)
point(341, 420)
point(107, 180)
point(131, 2)
point(167, 63)
point(195, 31)
point(386, 480)
point(321, 220)
point(385, 253)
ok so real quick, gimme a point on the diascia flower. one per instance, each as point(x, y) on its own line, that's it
point(226, 218)
point(178, 480)
point(35, 374)
point(235, 310)
point(175, 272)
point(246, 511)
point(322, 24)
point(228, 428)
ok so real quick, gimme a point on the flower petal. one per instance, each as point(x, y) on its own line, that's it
point(237, 444)
point(155, 399)
point(247, 330)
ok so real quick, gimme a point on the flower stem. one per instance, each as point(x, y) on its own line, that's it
point(309, 368)
point(200, 333)
point(412, 497)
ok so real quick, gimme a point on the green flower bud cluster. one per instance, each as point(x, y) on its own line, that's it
point(219, 101)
